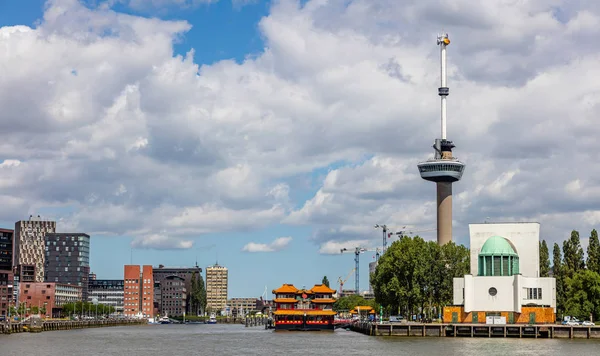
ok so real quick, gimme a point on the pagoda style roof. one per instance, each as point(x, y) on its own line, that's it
point(323, 300)
point(302, 312)
point(321, 288)
point(286, 288)
point(305, 291)
point(363, 309)
point(285, 300)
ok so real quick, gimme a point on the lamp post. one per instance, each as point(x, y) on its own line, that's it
point(95, 302)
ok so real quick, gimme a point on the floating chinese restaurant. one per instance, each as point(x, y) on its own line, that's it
point(304, 309)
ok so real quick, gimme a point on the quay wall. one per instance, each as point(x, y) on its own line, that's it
point(477, 330)
point(50, 325)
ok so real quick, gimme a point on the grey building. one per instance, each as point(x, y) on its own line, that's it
point(161, 273)
point(68, 259)
point(108, 292)
point(28, 248)
point(173, 295)
point(6, 249)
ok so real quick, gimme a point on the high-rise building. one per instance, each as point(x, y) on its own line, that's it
point(138, 295)
point(28, 248)
point(173, 296)
point(216, 288)
point(242, 306)
point(372, 268)
point(68, 259)
point(6, 271)
point(6, 249)
point(161, 273)
point(443, 169)
point(107, 291)
point(6, 291)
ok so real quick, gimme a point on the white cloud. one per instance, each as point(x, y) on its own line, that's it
point(100, 117)
point(335, 247)
point(277, 245)
point(161, 242)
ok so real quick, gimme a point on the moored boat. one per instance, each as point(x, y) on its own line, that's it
point(212, 319)
point(304, 310)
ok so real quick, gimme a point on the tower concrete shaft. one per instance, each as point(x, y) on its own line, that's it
point(444, 212)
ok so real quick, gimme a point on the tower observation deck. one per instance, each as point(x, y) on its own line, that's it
point(443, 169)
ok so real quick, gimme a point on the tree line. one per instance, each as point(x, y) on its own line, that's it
point(577, 277)
point(197, 295)
point(415, 276)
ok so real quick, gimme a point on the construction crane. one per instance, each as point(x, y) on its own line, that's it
point(341, 282)
point(357, 252)
point(410, 232)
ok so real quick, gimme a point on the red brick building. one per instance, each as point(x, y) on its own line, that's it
point(138, 296)
point(49, 295)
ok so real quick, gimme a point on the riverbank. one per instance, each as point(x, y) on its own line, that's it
point(50, 325)
point(478, 330)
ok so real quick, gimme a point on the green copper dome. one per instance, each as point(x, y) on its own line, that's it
point(497, 246)
point(498, 258)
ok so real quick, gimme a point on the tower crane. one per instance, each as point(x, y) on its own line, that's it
point(410, 232)
point(341, 282)
point(357, 252)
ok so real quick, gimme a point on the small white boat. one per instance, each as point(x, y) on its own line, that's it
point(212, 319)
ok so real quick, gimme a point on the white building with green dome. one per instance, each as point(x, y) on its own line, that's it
point(504, 271)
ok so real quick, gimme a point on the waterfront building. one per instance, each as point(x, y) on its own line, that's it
point(504, 285)
point(216, 288)
point(173, 296)
point(6, 291)
point(48, 296)
point(161, 273)
point(138, 295)
point(242, 306)
point(68, 259)
point(301, 309)
point(109, 292)
point(28, 247)
point(6, 249)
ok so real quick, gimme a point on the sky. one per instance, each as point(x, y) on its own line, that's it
point(269, 135)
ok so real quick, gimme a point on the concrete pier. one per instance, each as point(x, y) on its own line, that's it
point(478, 330)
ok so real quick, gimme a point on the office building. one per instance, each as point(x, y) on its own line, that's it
point(138, 296)
point(173, 296)
point(504, 282)
point(109, 292)
point(28, 248)
point(161, 273)
point(49, 296)
point(68, 259)
point(216, 288)
point(241, 306)
point(6, 291)
point(6, 249)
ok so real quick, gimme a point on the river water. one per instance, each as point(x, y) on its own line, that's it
point(200, 339)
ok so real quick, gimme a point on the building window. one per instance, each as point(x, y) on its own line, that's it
point(533, 293)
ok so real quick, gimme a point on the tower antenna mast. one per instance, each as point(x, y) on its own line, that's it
point(443, 169)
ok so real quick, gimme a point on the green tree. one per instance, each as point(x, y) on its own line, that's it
point(350, 302)
point(193, 295)
point(593, 253)
point(325, 281)
point(583, 295)
point(573, 255)
point(416, 276)
point(544, 259)
point(559, 274)
point(200, 293)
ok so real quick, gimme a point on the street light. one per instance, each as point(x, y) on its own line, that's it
point(95, 302)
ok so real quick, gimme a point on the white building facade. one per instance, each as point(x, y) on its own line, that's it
point(504, 271)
